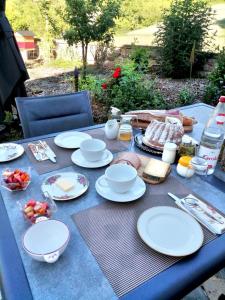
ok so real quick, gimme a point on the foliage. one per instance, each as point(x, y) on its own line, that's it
point(186, 97)
point(140, 55)
point(43, 17)
point(90, 20)
point(216, 86)
point(185, 23)
point(128, 89)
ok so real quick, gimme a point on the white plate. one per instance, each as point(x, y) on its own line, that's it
point(80, 186)
point(78, 159)
point(136, 192)
point(10, 151)
point(170, 231)
point(71, 139)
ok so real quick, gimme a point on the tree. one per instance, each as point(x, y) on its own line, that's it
point(185, 26)
point(90, 20)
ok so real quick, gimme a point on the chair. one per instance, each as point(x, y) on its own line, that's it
point(49, 114)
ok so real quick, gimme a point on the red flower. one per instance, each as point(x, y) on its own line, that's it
point(117, 72)
point(104, 86)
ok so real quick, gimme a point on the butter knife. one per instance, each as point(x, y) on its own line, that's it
point(193, 213)
point(49, 153)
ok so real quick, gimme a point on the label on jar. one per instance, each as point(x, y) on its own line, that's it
point(220, 119)
point(211, 155)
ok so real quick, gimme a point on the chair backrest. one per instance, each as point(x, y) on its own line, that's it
point(49, 114)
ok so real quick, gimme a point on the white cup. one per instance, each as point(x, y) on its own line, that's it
point(92, 149)
point(119, 177)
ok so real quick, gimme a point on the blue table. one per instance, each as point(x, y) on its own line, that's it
point(77, 275)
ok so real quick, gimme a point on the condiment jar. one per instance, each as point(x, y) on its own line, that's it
point(200, 165)
point(184, 167)
point(187, 148)
point(125, 130)
point(169, 152)
point(111, 129)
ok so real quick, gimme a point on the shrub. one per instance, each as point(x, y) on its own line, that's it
point(186, 97)
point(184, 28)
point(128, 89)
point(140, 56)
point(216, 86)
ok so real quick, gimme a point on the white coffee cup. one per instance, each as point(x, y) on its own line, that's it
point(92, 149)
point(119, 177)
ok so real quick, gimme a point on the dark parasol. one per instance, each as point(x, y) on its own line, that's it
point(13, 72)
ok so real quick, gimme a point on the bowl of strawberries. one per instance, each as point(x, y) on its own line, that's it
point(16, 180)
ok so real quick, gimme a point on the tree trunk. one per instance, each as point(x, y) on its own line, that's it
point(84, 58)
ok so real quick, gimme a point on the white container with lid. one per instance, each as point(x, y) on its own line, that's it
point(169, 152)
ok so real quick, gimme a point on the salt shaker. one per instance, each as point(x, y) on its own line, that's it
point(169, 152)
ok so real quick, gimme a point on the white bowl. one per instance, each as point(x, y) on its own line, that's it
point(46, 240)
point(93, 149)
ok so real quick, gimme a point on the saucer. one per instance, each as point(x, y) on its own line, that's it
point(78, 159)
point(136, 191)
point(71, 139)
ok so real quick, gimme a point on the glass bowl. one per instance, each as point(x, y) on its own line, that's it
point(37, 210)
point(16, 179)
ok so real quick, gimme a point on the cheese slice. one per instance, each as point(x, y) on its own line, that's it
point(156, 168)
point(64, 184)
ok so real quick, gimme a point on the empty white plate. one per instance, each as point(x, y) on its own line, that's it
point(170, 231)
point(71, 139)
point(135, 192)
point(79, 160)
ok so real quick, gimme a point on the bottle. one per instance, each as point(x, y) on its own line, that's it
point(213, 136)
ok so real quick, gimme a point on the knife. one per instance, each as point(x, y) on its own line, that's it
point(181, 204)
point(49, 153)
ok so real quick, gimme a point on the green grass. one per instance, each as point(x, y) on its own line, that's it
point(64, 64)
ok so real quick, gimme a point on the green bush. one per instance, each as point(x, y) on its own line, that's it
point(131, 90)
point(184, 29)
point(216, 86)
point(140, 56)
point(186, 97)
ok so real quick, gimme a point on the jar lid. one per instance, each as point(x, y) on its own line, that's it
point(185, 161)
point(170, 146)
point(222, 99)
point(186, 139)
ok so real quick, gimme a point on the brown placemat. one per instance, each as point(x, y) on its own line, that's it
point(63, 156)
point(110, 232)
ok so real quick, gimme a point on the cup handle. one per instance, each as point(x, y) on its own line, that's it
point(52, 257)
point(102, 182)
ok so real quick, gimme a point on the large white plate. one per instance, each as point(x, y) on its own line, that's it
point(135, 193)
point(170, 231)
point(71, 139)
point(11, 151)
point(80, 186)
point(78, 159)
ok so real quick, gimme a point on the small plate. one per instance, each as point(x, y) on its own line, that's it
point(78, 159)
point(138, 139)
point(80, 186)
point(71, 139)
point(10, 151)
point(135, 193)
point(170, 231)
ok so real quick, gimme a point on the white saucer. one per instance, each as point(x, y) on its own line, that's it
point(136, 192)
point(78, 159)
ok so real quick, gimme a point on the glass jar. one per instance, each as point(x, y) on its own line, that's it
point(169, 152)
point(184, 167)
point(187, 148)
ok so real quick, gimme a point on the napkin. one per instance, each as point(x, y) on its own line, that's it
point(207, 215)
point(39, 152)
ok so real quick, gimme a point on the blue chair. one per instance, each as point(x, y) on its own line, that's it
point(50, 114)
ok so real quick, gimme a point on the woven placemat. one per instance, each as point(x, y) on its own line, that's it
point(110, 232)
point(63, 156)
